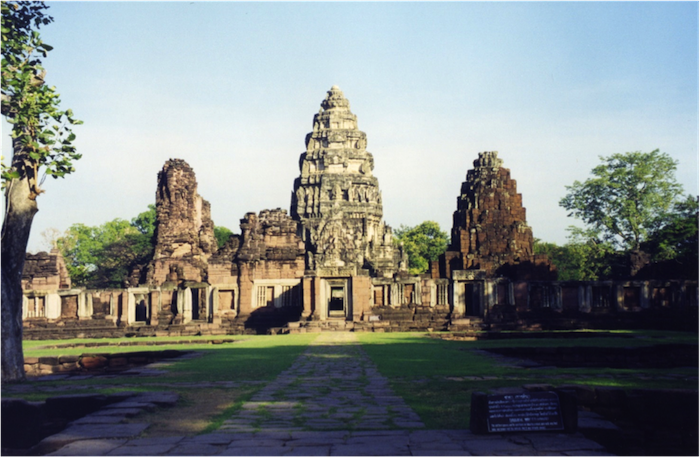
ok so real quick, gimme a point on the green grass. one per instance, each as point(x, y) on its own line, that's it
point(436, 377)
point(40, 348)
point(254, 358)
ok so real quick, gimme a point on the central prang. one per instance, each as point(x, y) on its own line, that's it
point(337, 199)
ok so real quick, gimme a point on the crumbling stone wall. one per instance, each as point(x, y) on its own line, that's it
point(270, 250)
point(184, 229)
point(45, 271)
point(489, 229)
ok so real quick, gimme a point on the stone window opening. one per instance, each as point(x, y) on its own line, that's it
point(36, 306)
point(265, 296)
point(442, 294)
point(269, 296)
point(601, 297)
point(288, 296)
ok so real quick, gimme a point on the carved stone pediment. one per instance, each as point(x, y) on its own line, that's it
point(329, 272)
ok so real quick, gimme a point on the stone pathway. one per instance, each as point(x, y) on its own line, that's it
point(331, 401)
point(332, 386)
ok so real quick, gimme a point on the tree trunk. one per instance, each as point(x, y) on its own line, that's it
point(20, 210)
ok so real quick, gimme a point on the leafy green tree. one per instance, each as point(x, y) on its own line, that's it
point(673, 244)
point(146, 222)
point(626, 197)
point(42, 146)
point(103, 256)
point(222, 235)
point(423, 243)
point(582, 258)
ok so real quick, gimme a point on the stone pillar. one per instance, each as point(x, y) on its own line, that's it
point(321, 301)
point(489, 297)
point(396, 298)
point(154, 300)
point(557, 303)
point(246, 293)
point(90, 309)
point(124, 300)
point(186, 304)
point(644, 295)
point(458, 299)
point(511, 294)
point(213, 306)
point(585, 297)
point(83, 311)
point(308, 296)
point(131, 309)
point(361, 290)
point(692, 294)
point(53, 306)
point(112, 305)
point(618, 292)
point(25, 306)
point(432, 290)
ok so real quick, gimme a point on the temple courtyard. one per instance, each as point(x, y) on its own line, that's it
point(346, 393)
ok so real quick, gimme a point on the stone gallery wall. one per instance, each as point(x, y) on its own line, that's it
point(331, 261)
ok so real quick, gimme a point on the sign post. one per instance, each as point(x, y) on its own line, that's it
point(548, 411)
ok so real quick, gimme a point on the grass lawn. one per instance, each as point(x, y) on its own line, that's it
point(249, 362)
point(437, 377)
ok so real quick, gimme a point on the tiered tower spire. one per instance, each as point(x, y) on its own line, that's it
point(489, 230)
point(336, 198)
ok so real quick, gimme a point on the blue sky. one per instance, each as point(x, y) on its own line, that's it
point(232, 88)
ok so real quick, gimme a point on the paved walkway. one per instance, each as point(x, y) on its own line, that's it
point(332, 386)
point(331, 401)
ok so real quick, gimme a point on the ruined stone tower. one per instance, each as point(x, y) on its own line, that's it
point(184, 229)
point(337, 199)
point(489, 230)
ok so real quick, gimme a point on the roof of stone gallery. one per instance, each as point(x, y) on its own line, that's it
point(42, 264)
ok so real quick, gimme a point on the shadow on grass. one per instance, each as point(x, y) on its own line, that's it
point(437, 377)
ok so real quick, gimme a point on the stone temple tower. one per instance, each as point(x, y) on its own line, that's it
point(337, 199)
point(184, 233)
point(489, 231)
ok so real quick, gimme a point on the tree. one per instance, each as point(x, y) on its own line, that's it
point(222, 234)
point(49, 238)
point(104, 256)
point(628, 195)
point(673, 244)
point(583, 258)
point(41, 142)
point(146, 222)
point(423, 243)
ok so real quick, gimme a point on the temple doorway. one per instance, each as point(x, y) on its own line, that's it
point(336, 302)
point(470, 305)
